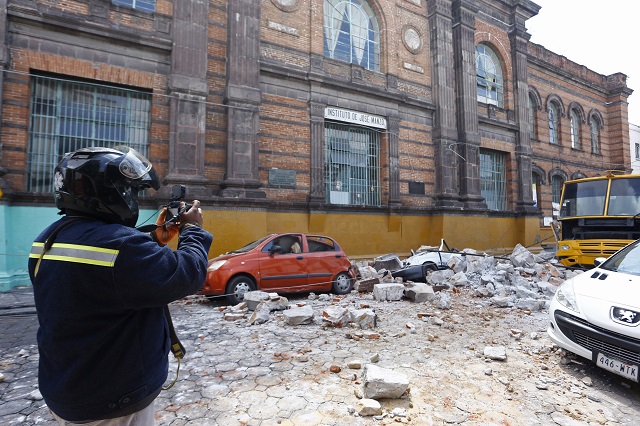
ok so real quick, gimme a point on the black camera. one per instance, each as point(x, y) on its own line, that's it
point(173, 208)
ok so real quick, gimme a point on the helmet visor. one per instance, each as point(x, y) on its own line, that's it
point(138, 168)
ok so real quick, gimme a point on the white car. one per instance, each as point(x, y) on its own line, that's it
point(597, 314)
point(433, 256)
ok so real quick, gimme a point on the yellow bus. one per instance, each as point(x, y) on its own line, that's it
point(598, 216)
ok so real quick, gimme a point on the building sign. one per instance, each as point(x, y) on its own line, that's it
point(355, 117)
point(282, 178)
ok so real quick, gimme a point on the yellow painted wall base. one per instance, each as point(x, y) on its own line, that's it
point(370, 235)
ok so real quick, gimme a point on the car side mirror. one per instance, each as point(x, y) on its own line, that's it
point(275, 249)
point(599, 261)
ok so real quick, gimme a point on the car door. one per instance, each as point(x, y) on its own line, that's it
point(324, 261)
point(284, 269)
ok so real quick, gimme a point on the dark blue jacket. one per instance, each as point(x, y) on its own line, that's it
point(99, 293)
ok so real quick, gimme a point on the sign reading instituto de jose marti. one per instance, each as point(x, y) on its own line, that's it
point(355, 117)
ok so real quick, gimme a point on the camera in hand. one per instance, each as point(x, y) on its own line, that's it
point(173, 208)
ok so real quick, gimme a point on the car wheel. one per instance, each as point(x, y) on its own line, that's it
point(430, 266)
point(237, 287)
point(343, 283)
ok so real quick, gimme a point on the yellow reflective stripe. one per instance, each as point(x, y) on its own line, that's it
point(76, 253)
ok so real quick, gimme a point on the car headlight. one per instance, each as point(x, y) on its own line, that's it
point(566, 296)
point(564, 247)
point(216, 265)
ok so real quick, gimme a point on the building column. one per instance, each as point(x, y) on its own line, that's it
point(464, 13)
point(4, 59)
point(444, 134)
point(394, 162)
point(243, 99)
point(188, 89)
point(519, 39)
point(317, 184)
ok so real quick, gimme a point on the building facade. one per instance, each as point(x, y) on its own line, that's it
point(387, 124)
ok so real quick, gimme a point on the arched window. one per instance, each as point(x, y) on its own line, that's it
point(489, 76)
point(556, 188)
point(532, 117)
point(351, 33)
point(554, 123)
point(595, 136)
point(575, 129)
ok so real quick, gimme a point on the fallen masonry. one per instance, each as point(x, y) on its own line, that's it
point(521, 281)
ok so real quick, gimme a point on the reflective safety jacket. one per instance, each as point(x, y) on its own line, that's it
point(99, 293)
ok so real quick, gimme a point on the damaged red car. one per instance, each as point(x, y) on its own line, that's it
point(284, 263)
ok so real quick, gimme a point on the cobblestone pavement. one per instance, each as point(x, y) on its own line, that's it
point(276, 374)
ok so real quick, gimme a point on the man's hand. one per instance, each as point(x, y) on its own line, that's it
point(164, 234)
point(192, 217)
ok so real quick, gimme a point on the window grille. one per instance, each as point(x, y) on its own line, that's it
point(144, 5)
point(493, 180)
point(637, 151)
point(351, 33)
point(66, 116)
point(489, 76)
point(352, 167)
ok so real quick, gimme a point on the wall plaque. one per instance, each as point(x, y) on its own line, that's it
point(282, 178)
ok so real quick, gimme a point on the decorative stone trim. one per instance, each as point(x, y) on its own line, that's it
point(286, 5)
point(411, 38)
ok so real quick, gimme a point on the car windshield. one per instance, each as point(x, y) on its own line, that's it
point(251, 245)
point(626, 260)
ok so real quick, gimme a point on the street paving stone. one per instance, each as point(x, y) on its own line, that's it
point(273, 374)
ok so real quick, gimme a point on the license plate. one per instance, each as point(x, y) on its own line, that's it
point(629, 371)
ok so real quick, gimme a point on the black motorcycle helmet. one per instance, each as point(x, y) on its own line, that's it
point(103, 183)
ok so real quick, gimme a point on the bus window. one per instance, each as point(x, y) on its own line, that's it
point(584, 198)
point(624, 199)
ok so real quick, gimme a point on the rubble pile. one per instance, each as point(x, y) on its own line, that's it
point(521, 280)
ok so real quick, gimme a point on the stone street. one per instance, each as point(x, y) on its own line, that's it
point(237, 373)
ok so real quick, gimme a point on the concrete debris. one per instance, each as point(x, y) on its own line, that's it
point(389, 262)
point(299, 315)
point(390, 291)
point(253, 298)
point(496, 353)
point(521, 280)
point(384, 383)
point(368, 407)
point(419, 292)
point(337, 316)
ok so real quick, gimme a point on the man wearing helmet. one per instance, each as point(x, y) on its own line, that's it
point(101, 285)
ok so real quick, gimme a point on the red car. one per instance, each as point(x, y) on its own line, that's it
point(285, 263)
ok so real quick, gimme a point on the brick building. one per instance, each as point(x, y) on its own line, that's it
point(387, 124)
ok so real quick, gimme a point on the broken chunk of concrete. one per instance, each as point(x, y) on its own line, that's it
point(366, 286)
point(419, 292)
point(368, 407)
point(299, 315)
point(521, 257)
point(337, 316)
point(384, 383)
point(390, 262)
point(364, 318)
point(253, 298)
point(388, 291)
point(497, 353)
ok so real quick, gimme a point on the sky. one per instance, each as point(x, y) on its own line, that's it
point(602, 35)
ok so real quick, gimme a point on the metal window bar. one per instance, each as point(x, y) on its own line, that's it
point(352, 167)
point(493, 182)
point(144, 5)
point(66, 116)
